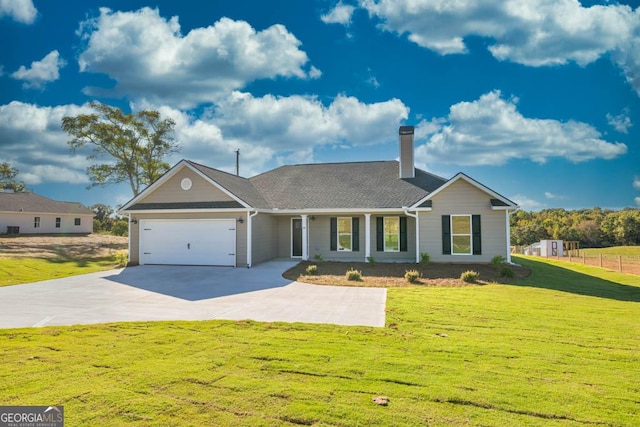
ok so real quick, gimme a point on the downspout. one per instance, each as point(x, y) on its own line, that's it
point(249, 237)
point(129, 239)
point(406, 212)
point(508, 229)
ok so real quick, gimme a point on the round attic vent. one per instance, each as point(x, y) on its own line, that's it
point(185, 184)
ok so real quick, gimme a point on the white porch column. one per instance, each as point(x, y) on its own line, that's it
point(305, 237)
point(508, 225)
point(250, 237)
point(367, 236)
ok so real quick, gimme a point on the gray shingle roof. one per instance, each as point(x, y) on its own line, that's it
point(34, 203)
point(367, 185)
point(237, 185)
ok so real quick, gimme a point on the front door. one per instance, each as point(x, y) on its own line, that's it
point(296, 237)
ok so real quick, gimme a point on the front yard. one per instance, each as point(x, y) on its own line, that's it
point(559, 347)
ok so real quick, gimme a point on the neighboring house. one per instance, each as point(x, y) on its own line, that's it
point(29, 213)
point(384, 210)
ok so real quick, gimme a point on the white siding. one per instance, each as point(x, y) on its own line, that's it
point(26, 222)
point(462, 198)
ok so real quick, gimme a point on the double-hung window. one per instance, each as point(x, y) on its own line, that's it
point(58, 221)
point(461, 235)
point(392, 234)
point(76, 221)
point(344, 234)
point(36, 222)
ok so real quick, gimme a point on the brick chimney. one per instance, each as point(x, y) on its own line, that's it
point(407, 169)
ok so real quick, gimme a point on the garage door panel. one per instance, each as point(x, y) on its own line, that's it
point(188, 242)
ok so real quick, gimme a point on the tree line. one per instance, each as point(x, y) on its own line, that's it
point(593, 227)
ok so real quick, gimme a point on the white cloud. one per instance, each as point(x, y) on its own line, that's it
point(41, 72)
point(533, 33)
point(527, 203)
point(19, 10)
point(637, 200)
point(296, 122)
point(491, 131)
point(636, 183)
point(33, 142)
point(150, 59)
point(340, 14)
point(552, 196)
point(621, 122)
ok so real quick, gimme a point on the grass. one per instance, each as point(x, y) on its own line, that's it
point(26, 270)
point(559, 348)
point(615, 250)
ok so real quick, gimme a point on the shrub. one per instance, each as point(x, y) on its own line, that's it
point(312, 270)
point(506, 272)
point(371, 260)
point(318, 258)
point(122, 259)
point(469, 276)
point(411, 276)
point(424, 258)
point(354, 275)
point(498, 260)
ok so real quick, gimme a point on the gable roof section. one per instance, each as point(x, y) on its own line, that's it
point(358, 185)
point(238, 188)
point(34, 203)
point(498, 202)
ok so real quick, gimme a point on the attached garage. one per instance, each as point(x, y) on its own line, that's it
point(188, 241)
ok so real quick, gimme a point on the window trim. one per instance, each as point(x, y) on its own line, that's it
point(348, 219)
point(470, 235)
point(36, 222)
point(385, 233)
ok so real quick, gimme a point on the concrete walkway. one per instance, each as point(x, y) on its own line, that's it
point(188, 293)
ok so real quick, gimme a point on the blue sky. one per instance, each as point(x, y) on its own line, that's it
point(538, 99)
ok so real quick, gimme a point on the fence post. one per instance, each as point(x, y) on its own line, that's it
point(569, 256)
point(600, 256)
point(584, 258)
point(620, 263)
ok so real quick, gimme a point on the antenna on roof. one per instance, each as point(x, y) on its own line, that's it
point(237, 162)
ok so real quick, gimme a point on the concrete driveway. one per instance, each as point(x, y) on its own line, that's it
point(188, 293)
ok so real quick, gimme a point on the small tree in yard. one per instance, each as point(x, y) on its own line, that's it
point(7, 178)
point(126, 147)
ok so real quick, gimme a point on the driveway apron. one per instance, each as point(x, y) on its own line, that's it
point(160, 292)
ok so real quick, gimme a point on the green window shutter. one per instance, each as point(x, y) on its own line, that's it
point(446, 235)
point(355, 234)
point(403, 234)
point(380, 234)
point(333, 238)
point(476, 234)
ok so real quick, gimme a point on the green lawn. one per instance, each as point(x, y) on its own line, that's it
point(26, 270)
point(560, 348)
point(615, 250)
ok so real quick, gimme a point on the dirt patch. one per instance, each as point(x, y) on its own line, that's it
point(392, 274)
point(61, 246)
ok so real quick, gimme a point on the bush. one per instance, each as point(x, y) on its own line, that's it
point(312, 270)
point(411, 276)
point(370, 260)
point(498, 260)
point(354, 275)
point(469, 276)
point(318, 258)
point(424, 258)
point(122, 259)
point(506, 272)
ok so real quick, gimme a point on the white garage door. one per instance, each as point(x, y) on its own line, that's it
point(188, 242)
